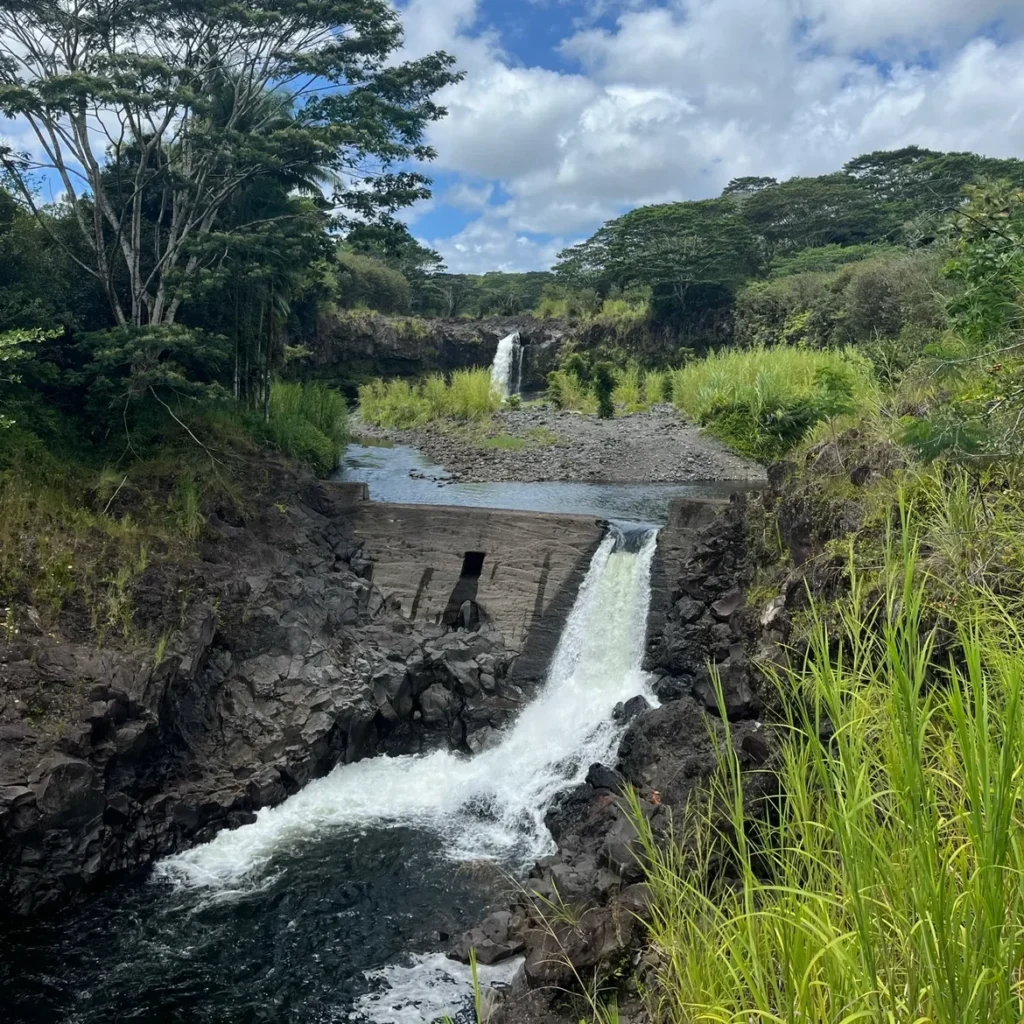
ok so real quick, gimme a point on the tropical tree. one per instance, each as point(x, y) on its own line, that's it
point(671, 248)
point(805, 212)
point(154, 117)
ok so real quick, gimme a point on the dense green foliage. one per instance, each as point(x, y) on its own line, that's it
point(861, 302)
point(763, 401)
point(696, 257)
point(465, 396)
point(192, 251)
point(366, 283)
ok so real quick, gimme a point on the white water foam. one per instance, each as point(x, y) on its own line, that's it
point(491, 806)
point(428, 988)
point(508, 360)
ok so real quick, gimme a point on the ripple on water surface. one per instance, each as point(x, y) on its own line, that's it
point(306, 945)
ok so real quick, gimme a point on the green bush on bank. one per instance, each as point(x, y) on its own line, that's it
point(465, 396)
point(886, 883)
point(308, 422)
point(763, 401)
point(854, 304)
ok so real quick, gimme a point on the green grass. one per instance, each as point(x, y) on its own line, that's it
point(628, 393)
point(308, 422)
point(506, 442)
point(465, 396)
point(635, 390)
point(536, 437)
point(66, 544)
point(566, 391)
point(542, 436)
point(888, 883)
point(763, 401)
point(79, 523)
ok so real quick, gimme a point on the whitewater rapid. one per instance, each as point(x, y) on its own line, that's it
point(507, 371)
point(491, 806)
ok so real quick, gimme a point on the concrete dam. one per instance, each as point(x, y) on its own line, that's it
point(520, 571)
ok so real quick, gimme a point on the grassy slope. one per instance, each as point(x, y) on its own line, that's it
point(889, 885)
point(80, 525)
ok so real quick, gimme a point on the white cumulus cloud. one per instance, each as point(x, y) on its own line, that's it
point(671, 100)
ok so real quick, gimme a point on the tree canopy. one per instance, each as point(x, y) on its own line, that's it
point(696, 255)
point(157, 115)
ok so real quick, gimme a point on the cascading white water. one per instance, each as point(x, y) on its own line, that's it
point(506, 373)
point(492, 805)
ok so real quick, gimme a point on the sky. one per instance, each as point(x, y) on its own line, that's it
point(574, 111)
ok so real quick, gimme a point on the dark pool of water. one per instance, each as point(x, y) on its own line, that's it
point(387, 472)
point(297, 950)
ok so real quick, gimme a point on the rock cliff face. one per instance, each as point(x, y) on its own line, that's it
point(287, 662)
point(352, 347)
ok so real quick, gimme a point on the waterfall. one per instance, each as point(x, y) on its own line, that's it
point(507, 371)
point(491, 806)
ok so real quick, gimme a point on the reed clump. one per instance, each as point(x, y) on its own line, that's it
point(886, 883)
point(764, 401)
point(467, 396)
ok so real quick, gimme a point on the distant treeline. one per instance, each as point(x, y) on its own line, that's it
point(687, 262)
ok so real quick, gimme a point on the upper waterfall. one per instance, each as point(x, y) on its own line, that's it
point(492, 805)
point(507, 371)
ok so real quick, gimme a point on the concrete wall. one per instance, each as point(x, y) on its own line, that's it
point(533, 565)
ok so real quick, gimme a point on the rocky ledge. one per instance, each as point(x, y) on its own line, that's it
point(285, 661)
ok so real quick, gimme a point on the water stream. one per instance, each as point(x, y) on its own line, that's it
point(401, 474)
point(335, 905)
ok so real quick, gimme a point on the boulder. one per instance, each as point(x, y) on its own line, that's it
point(496, 938)
point(591, 947)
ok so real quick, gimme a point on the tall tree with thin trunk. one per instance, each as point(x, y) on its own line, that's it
point(153, 115)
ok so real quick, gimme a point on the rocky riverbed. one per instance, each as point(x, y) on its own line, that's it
point(538, 443)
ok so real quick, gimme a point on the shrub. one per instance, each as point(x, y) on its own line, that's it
point(309, 422)
point(763, 401)
point(468, 395)
point(567, 391)
point(604, 386)
point(857, 303)
point(366, 282)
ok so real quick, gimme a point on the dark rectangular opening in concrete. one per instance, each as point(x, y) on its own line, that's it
point(473, 565)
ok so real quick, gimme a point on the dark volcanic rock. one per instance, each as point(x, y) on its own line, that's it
point(288, 662)
point(602, 777)
point(593, 945)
